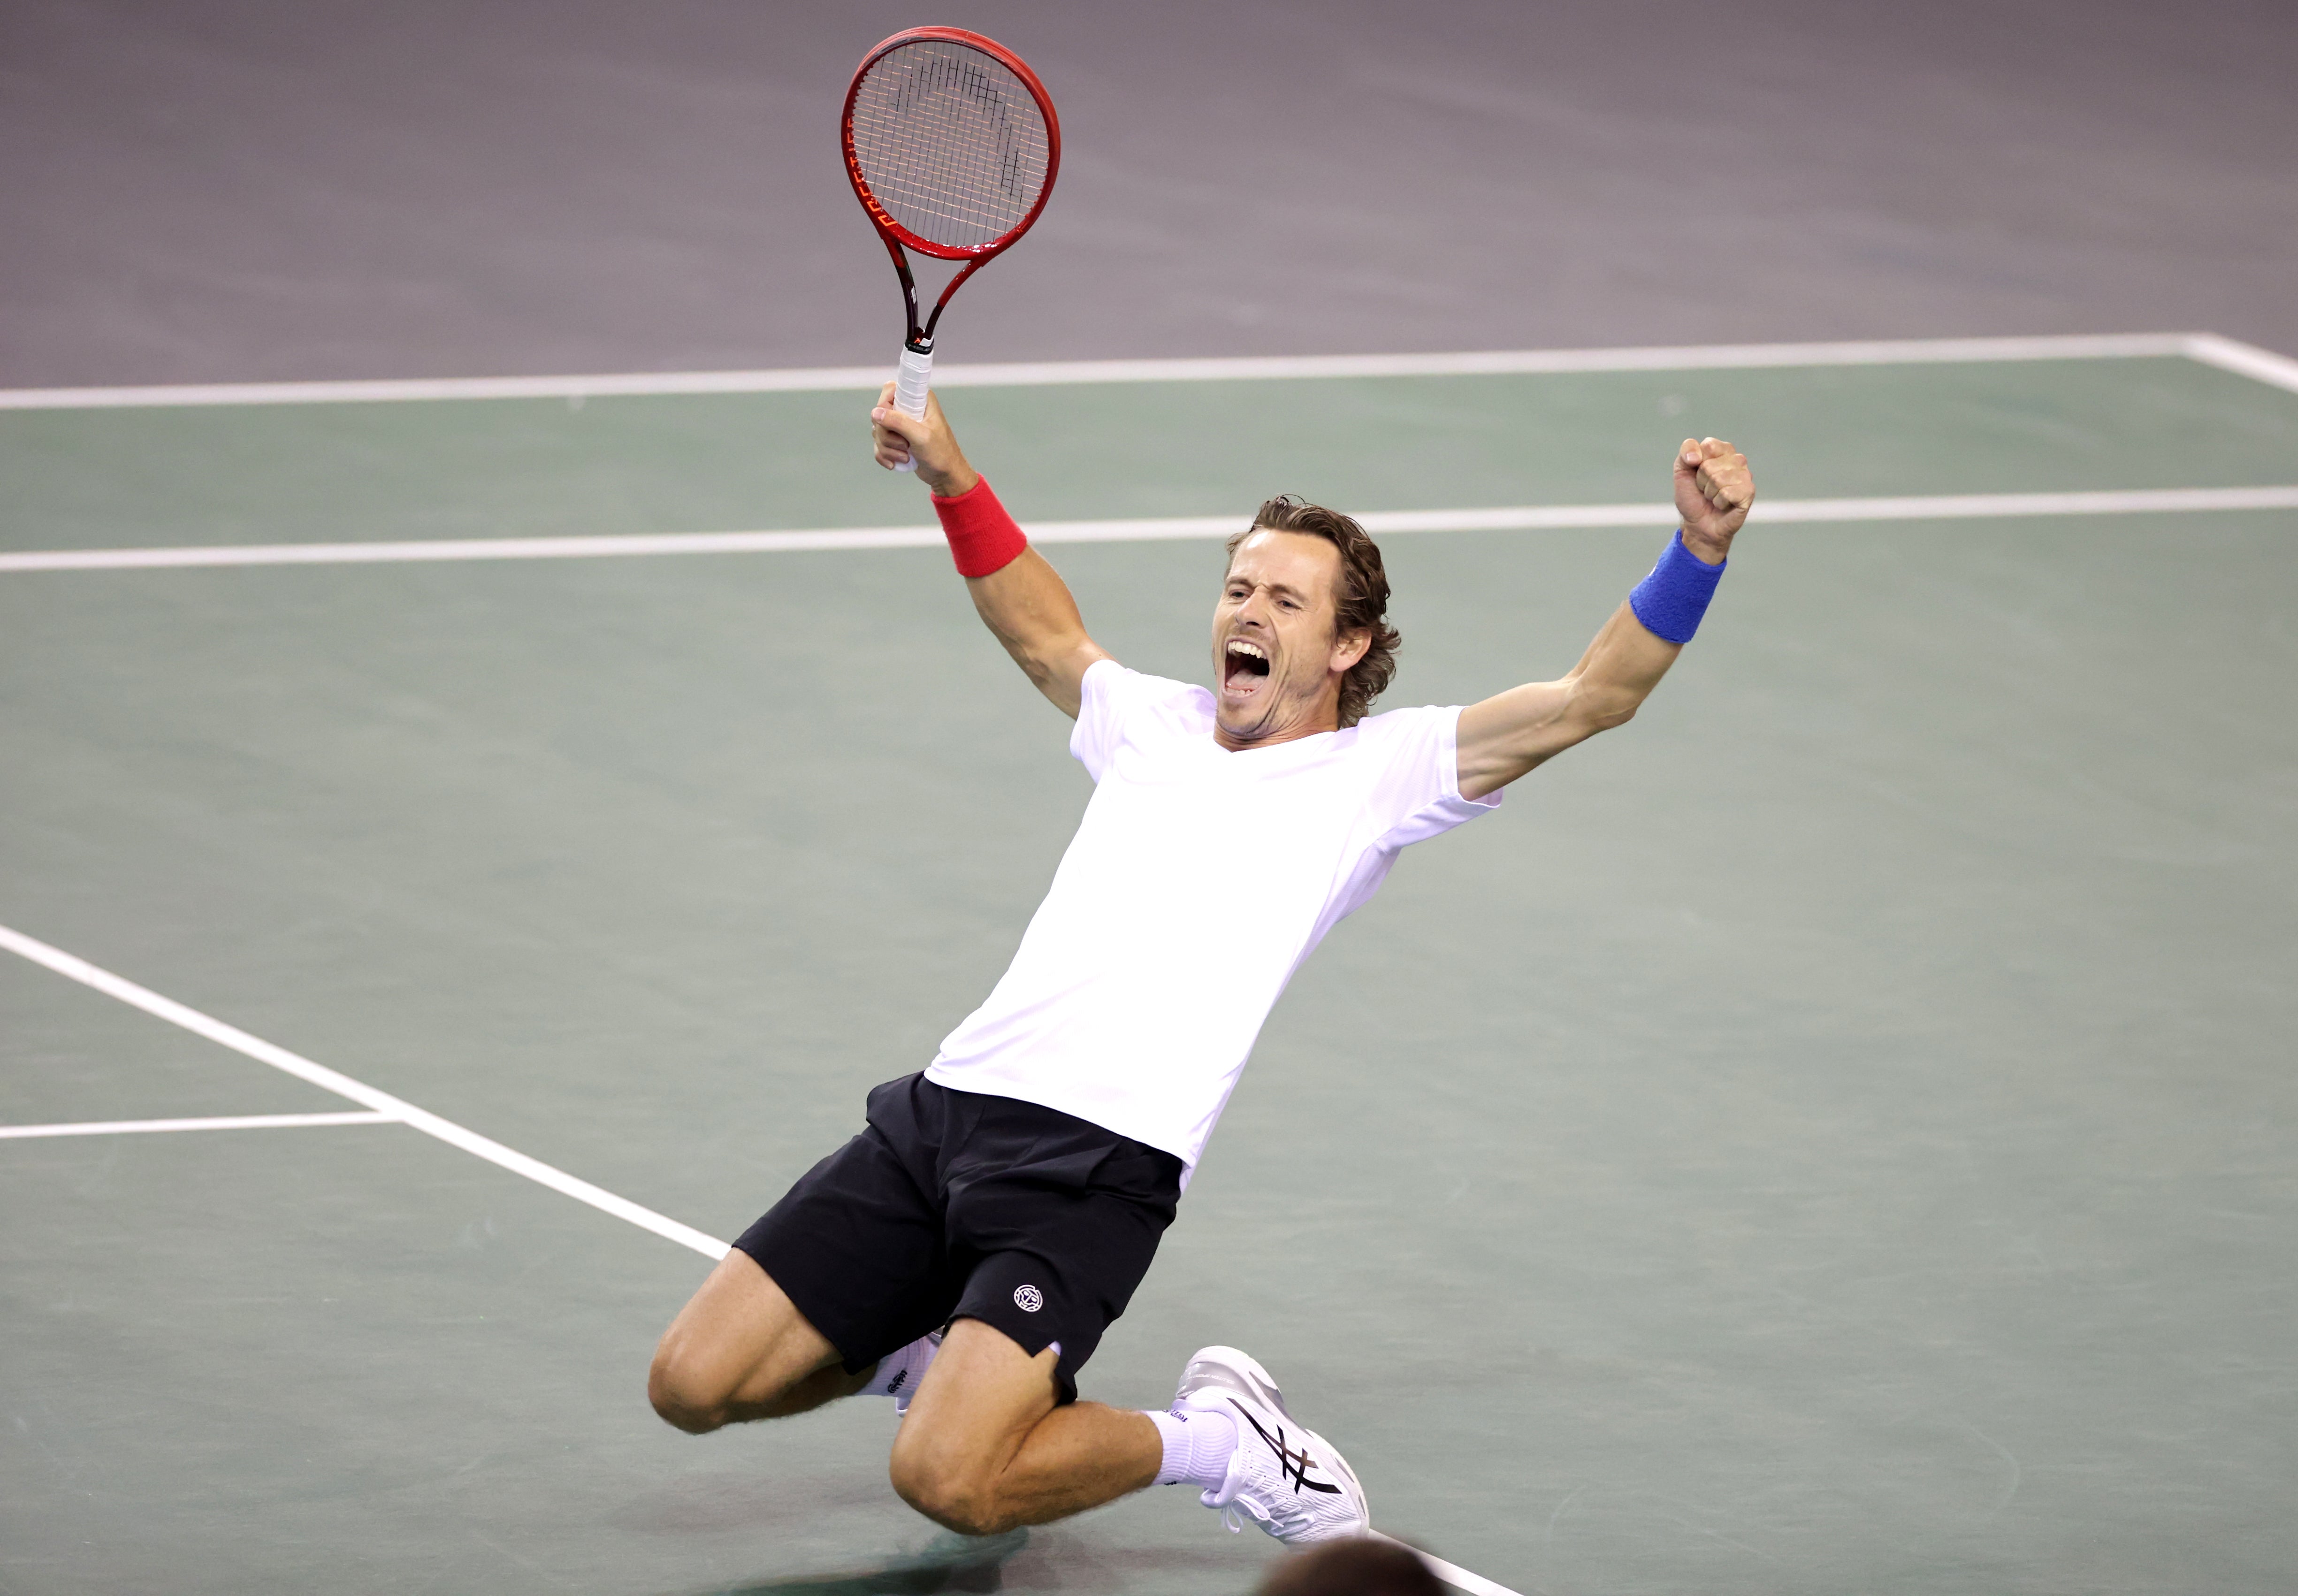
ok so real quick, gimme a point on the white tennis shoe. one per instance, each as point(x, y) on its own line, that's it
point(1287, 1479)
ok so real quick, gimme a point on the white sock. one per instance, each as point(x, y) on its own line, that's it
point(1198, 1445)
point(898, 1374)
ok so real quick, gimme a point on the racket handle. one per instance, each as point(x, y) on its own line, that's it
point(910, 386)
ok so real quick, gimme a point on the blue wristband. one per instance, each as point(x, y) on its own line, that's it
point(1671, 600)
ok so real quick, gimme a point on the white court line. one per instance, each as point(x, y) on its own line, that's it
point(1451, 1574)
point(213, 1123)
point(1531, 517)
point(343, 1086)
point(1244, 369)
point(1981, 507)
point(2243, 360)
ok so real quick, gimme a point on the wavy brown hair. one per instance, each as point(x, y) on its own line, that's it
point(1360, 595)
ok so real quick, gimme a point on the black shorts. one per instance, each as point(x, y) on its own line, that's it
point(957, 1205)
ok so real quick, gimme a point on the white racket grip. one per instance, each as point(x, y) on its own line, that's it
point(910, 386)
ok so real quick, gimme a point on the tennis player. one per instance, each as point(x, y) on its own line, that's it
point(965, 1253)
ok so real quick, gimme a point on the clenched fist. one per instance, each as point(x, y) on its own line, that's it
point(1713, 492)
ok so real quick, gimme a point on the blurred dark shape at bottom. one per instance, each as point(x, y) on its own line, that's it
point(949, 1564)
point(1352, 1568)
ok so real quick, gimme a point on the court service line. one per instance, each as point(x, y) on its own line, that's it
point(1224, 369)
point(2243, 360)
point(1451, 1574)
point(380, 1102)
point(1533, 518)
point(211, 1123)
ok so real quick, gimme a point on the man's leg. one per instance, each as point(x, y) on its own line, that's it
point(741, 1350)
point(985, 1448)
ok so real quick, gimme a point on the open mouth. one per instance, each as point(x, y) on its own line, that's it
point(1243, 667)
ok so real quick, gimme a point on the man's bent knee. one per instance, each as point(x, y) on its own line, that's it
point(682, 1396)
point(741, 1350)
point(956, 1497)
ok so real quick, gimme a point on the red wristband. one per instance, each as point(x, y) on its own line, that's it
point(982, 537)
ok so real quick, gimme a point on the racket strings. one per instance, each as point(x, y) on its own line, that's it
point(950, 142)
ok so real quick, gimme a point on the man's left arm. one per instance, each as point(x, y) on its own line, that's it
point(1510, 735)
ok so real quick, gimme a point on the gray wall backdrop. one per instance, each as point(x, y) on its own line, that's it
point(245, 189)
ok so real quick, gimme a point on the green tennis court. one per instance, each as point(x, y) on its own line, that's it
point(1837, 1133)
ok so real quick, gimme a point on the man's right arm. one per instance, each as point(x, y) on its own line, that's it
point(1024, 602)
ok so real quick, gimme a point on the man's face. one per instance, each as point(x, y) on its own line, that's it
point(1277, 663)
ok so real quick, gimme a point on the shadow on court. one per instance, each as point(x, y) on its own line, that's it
point(949, 1563)
point(1047, 1558)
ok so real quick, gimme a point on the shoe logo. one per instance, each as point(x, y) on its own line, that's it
point(900, 1377)
point(1293, 1465)
point(1029, 1299)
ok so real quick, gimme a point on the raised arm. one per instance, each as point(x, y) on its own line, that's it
point(1510, 735)
point(1020, 596)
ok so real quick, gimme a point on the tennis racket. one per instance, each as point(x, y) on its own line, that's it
point(952, 145)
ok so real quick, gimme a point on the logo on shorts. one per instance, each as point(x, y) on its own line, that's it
point(1029, 1299)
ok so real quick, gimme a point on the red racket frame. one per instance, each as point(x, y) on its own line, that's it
point(895, 235)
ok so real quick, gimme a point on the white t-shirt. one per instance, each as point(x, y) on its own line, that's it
point(1196, 883)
